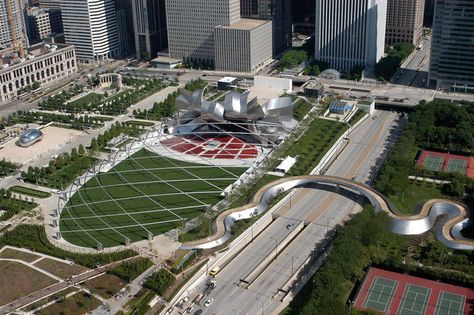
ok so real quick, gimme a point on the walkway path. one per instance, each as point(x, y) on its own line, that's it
point(405, 225)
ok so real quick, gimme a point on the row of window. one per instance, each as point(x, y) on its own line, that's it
point(40, 76)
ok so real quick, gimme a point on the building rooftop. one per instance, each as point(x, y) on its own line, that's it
point(9, 57)
point(227, 79)
point(246, 24)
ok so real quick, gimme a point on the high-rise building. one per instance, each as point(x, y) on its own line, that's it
point(149, 25)
point(91, 26)
point(404, 21)
point(452, 47)
point(350, 33)
point(303, 16)
point(429, 11)
point(279, 12)
point(38, 24)
point(209, 32)
point(191, 26)
point(50, 4)
point(125, 27)
point(249, 42)
point(12, 9)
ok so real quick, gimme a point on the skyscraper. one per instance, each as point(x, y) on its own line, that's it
point(38, 24)
point(191, 26)
point(149, 24)
point(303, 16)
point(91, 26)
point(8, 35)
point(207, 33)
point(404, 21)
point(452, 48)
point(350, 33)
point(279, 12)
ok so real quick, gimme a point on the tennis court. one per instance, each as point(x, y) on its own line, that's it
point(433, 163)
point(450, 304)
point(414, 300)
point(380, 294)
point(389, 292)
point(446, 162)
point(456, 166)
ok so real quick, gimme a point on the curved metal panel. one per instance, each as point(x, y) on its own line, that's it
point(399, 225)
point(29, 137)
point(280, 108)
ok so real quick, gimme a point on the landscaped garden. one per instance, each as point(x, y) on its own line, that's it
point(439, 125)
point(145, 193)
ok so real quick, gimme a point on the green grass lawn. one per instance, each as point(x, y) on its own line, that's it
point(301, 108)
point(146, 190)
point(315, 142)
point(85, 100)
point(416, 193)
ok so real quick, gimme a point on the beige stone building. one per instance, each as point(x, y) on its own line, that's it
point(44, 64)
point(404, 21)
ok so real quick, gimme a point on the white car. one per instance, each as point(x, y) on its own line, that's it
point(208, 302)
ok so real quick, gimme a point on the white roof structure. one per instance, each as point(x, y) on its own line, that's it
point(286, 165)
point(227, 80)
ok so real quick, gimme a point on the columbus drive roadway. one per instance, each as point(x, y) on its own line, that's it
point(312, 213)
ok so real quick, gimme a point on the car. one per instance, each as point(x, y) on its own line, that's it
point(189, 309)
point(185, 299)
point(208, 302)
point(214, 271)
point(289, 226)
point(211, 284)
point(198, 312)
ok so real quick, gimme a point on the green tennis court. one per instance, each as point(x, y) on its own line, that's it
point(433, 163)
point(414, 301)
point(456, 166)
point(380, 294)
point(450, 304)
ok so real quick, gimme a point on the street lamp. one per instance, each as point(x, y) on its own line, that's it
point(327, 224)
point(261, 301)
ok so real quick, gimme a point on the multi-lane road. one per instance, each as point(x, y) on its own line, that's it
point(414, 71)
point(255, 281)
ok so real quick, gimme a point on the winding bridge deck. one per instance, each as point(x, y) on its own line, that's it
point(447, 231)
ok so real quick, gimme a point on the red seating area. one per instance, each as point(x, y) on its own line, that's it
point(228, 147)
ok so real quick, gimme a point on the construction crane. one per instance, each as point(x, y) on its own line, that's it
point(11, 22)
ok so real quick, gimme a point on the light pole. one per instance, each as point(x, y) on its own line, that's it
point(327, 224)
point(261, 301)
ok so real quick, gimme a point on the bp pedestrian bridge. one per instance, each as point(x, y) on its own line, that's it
point(454, 215)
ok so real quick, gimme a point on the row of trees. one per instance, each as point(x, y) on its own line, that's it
point(159, 281)
point(74, 121)
point(6, 168)
point(167, 108)
point(364, 241)
point(103, 104)
point(388, 65)
point(61, 170)
point(99, 143)
point(292, 59)
point(12, 206)
point(57, 101)
point(316, 67)
point(131, 269)
point(424, 130)
point(443, 125)
point(33, 237)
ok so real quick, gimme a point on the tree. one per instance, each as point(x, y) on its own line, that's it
point(74, 154)
point(94, 145)
point(81, 151)
point(292, 59)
